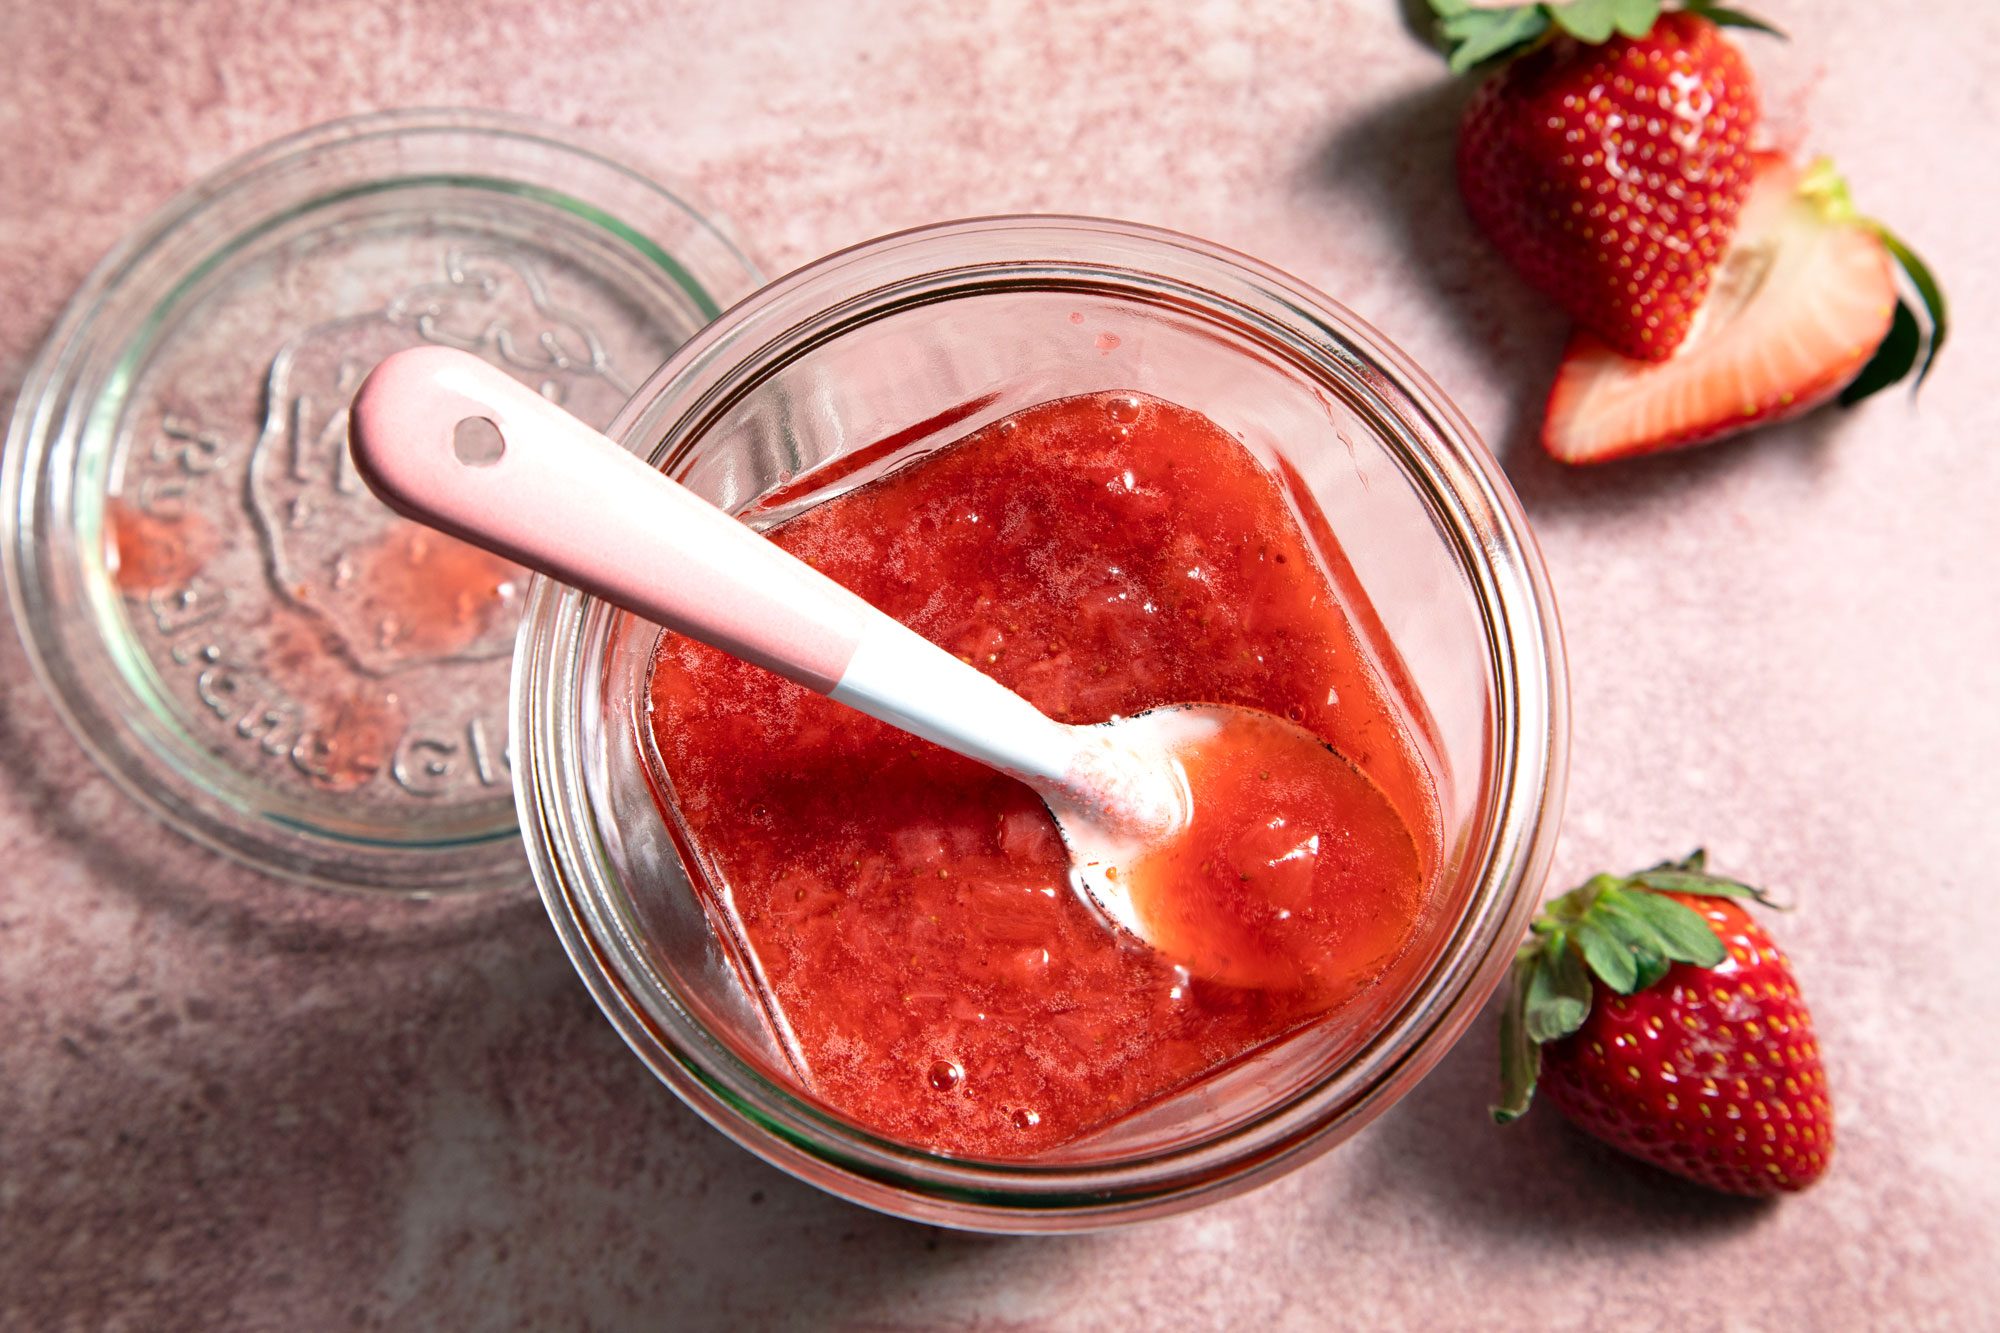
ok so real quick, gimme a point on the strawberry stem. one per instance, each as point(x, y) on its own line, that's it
point(1826, 188)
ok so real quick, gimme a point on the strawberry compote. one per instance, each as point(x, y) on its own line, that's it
point(921, 954)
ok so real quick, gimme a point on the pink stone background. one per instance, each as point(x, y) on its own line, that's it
point(230, 1103)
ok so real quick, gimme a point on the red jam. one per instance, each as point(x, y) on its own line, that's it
point(919, 948)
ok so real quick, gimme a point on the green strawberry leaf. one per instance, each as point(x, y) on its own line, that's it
point(1594, 21)
point(1635, 18)
point(1919, 274)
point(1893, 358)
point(1613, 911)
point(1608, 956)
point(1731, 18)
point(1520, 1057)
point(1475, 36)
point(1558, 993)
point(1652, 966)
point(1684, 936)
point(1701, 885)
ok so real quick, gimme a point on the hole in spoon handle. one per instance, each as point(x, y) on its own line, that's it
point(477, 442)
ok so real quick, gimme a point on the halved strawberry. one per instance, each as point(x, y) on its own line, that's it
point(1804, 298)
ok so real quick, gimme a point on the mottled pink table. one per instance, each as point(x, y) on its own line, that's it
point(228, 1102)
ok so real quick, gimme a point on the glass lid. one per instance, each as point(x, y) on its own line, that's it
point(237, 630)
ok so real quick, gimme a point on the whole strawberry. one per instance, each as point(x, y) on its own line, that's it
point(1608, 162)
point(1659, 1017)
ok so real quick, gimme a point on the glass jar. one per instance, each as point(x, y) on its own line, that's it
point(917, 339)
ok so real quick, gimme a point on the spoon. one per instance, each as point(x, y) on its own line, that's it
point(452, 442)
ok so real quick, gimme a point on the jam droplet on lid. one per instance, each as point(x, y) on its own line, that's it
point(431, 595)
point(145, 551)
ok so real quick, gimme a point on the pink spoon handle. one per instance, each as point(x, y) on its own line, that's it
point(559, 497)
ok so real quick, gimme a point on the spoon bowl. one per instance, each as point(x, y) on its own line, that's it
point(1257, 889)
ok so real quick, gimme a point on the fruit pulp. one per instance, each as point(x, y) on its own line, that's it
point(906, 911)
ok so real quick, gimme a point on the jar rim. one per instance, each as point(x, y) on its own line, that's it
point(1442, 456)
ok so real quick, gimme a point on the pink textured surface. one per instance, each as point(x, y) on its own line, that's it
point(225, 1102)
